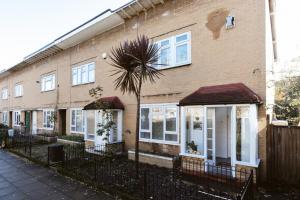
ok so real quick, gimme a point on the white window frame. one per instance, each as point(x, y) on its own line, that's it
point(5, 117)
point(163, 106)
point(173, 45)
point(79, 71)
point(83, 121)
point(16, 118)
point(45, 123)
point(18, 90)
point(4, 93)
point(45, 79)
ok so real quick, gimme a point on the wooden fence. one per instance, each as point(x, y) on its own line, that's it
point(283, 154)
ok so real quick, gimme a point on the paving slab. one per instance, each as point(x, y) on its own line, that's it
point(23, 180)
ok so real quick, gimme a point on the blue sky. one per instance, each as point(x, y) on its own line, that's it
point(27, 25)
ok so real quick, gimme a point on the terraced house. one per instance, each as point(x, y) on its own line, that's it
point(211, 104)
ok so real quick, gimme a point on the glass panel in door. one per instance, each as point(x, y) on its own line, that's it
point(210, 129)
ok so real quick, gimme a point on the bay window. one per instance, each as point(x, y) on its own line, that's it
point(174, 51)
point(159, 123)
point(48, 83)
point(48, 119)
point(83, 74)
point(77, 121)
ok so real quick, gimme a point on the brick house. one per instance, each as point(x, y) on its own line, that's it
point(211, 103)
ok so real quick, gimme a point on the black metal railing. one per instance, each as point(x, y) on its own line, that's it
point(225, 177)
point(182, 183)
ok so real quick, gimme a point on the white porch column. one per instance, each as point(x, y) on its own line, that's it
point(253, 132)
point(183, 130)
point(205, 131)
point(233, 135)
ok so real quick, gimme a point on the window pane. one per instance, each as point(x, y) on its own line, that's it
point(145, 135)
point(157, 124)
point(73, 118)
point(243, 135)
point(91, 73)
point(171, 137)
point(165, 56)
point(84, 74)
point(78, 119)
point(79, 76)
point(181, 53)
point(145, 119)
point(171, 119)
point(90, 115)
point(74, 76)
point(181, 38)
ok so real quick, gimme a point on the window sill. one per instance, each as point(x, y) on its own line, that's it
point(48, 129)
point(75, 132)
point(175, 66)
point(159, 142)
point(248, 164)
point(18, 96)
point(83, 84)
point(45, 91)
point(192, 155)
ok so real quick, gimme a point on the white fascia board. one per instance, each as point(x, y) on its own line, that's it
point(90, 30)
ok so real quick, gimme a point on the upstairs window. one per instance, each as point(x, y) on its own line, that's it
point(18, 90)
point(83, 74)
point(17, 118)
point(48, 119)
point(4, 93)
point(48, 83)
point(174, 51)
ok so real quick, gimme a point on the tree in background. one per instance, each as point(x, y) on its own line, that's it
point(134, 61)
point(287, 100)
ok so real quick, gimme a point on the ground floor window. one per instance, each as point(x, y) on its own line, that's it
point(77, 121)
point(5, 118)
point(48, 119)
point(159, 123)
point(17, 118)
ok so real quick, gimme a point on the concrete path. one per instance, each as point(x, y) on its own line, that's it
point(23, 180)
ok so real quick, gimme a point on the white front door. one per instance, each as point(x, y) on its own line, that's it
point(34, 122)
point(210, 135)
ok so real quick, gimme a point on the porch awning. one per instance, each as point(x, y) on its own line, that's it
point(236, 93)
point(105, 103)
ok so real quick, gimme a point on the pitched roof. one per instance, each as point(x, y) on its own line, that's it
point(105, 103)
point(236, 93)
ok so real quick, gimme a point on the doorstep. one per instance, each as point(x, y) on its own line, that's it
point(149, 158)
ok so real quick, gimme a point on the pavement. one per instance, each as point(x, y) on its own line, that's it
point(24, 180)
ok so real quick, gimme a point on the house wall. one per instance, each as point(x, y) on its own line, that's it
point(230, 56)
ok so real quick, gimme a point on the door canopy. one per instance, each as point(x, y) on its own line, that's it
point(236, 93)
point(105, 103)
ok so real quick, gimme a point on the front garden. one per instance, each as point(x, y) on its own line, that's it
point(106, 168)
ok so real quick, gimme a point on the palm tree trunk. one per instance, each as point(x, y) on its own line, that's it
point(137, 130)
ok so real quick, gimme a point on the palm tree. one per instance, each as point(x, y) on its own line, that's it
point(134, 62)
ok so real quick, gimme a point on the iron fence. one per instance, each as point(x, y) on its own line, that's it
point(180, 183)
